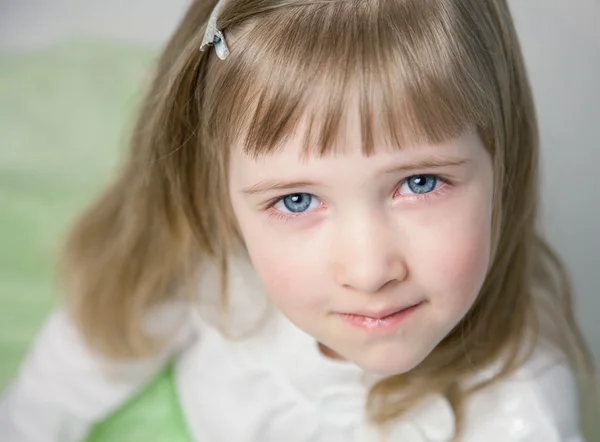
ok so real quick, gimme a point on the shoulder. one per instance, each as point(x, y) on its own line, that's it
point(538, 402)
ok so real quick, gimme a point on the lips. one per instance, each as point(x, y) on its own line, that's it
point(382, 313)
point(379, 321)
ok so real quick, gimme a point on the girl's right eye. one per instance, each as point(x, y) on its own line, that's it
point(296, 203)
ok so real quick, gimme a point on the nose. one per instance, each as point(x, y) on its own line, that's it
point(368, 257)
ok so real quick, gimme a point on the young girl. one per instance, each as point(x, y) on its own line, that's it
point(328, 219)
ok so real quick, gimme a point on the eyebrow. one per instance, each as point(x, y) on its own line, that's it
point(428, 163)
point(268, 185)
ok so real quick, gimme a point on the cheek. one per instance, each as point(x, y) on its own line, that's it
point(463, 263)
point(292, 286)
point(284, 267)
point(274, 274)
point(458, 256)
point(268, 257)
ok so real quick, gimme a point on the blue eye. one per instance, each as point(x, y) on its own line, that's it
point(297, 202)
point(421, 184)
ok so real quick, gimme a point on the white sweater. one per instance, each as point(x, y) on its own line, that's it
point(273, 385)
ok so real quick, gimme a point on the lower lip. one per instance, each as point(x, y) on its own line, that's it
point(387, 323)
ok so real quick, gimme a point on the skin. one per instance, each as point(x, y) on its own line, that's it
point(368, 242)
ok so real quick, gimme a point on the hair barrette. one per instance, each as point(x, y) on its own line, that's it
point(214, 37)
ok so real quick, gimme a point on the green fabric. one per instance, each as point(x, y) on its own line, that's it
point(153, 415)
point(65, 112)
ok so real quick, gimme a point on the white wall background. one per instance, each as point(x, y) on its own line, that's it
point(561, 41)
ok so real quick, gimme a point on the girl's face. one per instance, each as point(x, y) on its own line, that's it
point(376, 257)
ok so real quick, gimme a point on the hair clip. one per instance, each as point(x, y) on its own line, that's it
point(214, 37)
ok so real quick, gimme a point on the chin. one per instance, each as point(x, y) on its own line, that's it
point(387, 368)
point(388, 363)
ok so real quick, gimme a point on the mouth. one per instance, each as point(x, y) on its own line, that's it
point(382, 320)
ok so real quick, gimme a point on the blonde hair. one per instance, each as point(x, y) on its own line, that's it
point(425, 69)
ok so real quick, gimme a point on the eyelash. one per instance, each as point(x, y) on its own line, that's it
point(444, 183)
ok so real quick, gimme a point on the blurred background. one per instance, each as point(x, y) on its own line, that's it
point(72, 73)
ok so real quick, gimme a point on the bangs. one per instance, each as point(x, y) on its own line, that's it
point(410, 71)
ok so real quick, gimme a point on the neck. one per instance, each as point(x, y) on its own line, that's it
point(326, 351)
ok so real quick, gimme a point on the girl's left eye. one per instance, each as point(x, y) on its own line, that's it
point(296, 203)
point(419, 185)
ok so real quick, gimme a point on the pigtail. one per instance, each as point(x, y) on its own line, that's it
point(134, 247)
